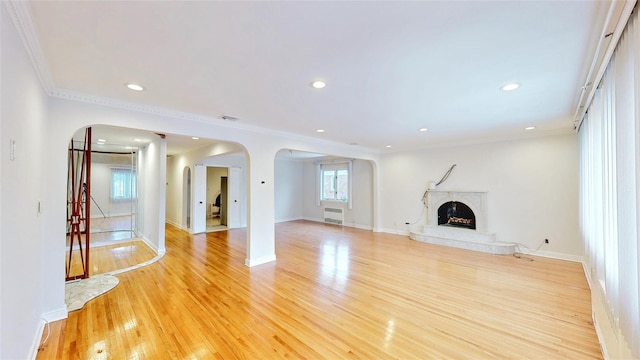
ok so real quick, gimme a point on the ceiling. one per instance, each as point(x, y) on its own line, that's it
point(391, 67)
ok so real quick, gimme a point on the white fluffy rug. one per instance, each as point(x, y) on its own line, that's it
point(78, 293)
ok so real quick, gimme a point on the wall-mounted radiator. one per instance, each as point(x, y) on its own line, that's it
point(334, 216)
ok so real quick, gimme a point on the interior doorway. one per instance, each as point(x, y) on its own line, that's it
point(186, 197)
point(217, 198)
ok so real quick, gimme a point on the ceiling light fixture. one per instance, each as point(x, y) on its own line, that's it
point(318, 84)
point(388, 146)
point(530, 128)
point(137, 140)
point(195, 138)
point(423, 129)
point(102, 140)
point(135, 87)
point(510, 87)
point(320, 130)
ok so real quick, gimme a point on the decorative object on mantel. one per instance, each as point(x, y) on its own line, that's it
point(433, 184)
point(441, 233)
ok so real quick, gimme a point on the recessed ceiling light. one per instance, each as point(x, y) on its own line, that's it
point(195, 138)
point(102, 140)
point(320, 130)
point(510, 87)
point(388, 146)
point(135, 87)
point(530, 128)
point(423, 129)
point(318, 84)
point(137, 140)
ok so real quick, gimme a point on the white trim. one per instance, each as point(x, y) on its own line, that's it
point(289, 219)
point(176, 225)
point(551, 255)
point(259, 261)
point(394, 231)
point(20, 13)
point(47, 317)
point(156, 249)
point(182, 115)
point(55, 315)
point(596, 323)
point(35, 343)
point(612, 342)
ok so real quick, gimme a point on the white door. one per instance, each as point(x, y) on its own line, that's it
point(233, 196)
point(199, 186)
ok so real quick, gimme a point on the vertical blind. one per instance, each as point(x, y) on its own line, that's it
point(609, 186)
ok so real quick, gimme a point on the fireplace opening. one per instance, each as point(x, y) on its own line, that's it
point(457, 214)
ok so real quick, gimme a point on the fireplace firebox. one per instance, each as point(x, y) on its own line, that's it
point(457, 214)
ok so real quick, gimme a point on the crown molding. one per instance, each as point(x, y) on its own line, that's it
point(182, 115)
point(20, 14)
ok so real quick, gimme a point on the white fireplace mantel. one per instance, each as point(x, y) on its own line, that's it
point(476, 200)
point(479, 239)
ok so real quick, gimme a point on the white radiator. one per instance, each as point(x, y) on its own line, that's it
point(334, 216)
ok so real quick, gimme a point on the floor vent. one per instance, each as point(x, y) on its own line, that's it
point(333, 216)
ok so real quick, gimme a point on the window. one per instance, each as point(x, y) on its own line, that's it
point(334, 183)
point(123, 184)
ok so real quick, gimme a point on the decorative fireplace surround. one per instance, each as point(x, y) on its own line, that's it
point(479, 239)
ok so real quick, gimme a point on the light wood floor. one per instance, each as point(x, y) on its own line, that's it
point(104, 259)
point(333, 293)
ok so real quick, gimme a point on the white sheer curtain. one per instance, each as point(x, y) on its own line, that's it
point(610, 187)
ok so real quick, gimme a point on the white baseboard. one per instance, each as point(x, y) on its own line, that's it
point(35, 343)
point(393, 231)
point(260, 261)
point(175, 224)
point(289, 219)
point(154, 247)
point(552, 255)
point(612, 342)
point(56, 315)
point(47, 317)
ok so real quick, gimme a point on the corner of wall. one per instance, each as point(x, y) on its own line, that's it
point(35, 343)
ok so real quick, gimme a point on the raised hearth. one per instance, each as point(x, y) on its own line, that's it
point(478, 239)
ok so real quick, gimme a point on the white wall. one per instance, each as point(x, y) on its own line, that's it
point(23, 250)
point(361, 213)
point(152, 171)
point(531, 184)
point(289, 189)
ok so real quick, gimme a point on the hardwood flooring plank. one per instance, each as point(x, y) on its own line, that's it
point(334, 293)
